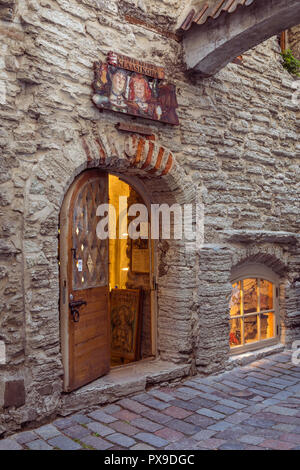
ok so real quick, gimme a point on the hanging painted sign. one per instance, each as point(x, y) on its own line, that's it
point(125, 89)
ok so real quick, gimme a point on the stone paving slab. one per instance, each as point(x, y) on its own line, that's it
point(46, 432)
point(122, 440)
point(215, 412)
point(27, 436)
point(146, 424)
point(39, 444)
point(102, 417)
point(9, 444)
point(96, 443)
point(64, 443)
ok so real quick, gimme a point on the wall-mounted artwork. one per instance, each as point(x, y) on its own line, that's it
point(136, 88)
point(140, 256)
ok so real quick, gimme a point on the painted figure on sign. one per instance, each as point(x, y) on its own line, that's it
point(168, 103)
point(111, 88)
point(141, 101)
point(118, 90)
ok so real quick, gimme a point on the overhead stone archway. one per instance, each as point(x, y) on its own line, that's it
point(229, 31)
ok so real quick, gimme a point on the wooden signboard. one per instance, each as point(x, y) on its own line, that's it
point(133, 87)
point(121, 126)
point(125, 307)
point(124, 62)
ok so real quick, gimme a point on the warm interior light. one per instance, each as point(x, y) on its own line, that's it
point(82, 247)
point(252, 312)
point(77, 231)
point(125, 269)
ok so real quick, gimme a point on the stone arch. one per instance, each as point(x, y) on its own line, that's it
point(225, 35)
point(272, 257)
point(164, 181)
point(138, 156)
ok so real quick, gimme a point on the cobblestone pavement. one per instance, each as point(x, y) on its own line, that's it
point(252, 407)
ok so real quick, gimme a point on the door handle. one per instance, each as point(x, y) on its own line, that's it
point(74, 306)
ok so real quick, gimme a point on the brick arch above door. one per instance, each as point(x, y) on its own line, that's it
point(135, 155)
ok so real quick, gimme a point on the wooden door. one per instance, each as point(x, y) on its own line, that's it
point(85, 292)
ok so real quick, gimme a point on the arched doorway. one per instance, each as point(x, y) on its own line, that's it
point(107, 296)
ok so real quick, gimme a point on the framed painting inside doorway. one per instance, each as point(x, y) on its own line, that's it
point(125, 308)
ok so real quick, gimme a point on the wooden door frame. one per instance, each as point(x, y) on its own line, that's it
point(64, 281)
point(140, 189)
point(64, 275)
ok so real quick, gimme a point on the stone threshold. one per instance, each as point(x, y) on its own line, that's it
point(252, 356)
point(122, 382)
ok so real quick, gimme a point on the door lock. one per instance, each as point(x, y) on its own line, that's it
point(74, 306)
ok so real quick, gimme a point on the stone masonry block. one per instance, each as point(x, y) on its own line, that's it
point(12, 392)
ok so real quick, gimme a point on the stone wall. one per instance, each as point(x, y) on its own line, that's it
point(236, 149)
point(294, 41)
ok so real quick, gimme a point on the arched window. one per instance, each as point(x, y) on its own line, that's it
point(253, 308)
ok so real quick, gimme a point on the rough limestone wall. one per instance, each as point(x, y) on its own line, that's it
point(214, 289)
point(12, 181)
point(238, 140)
point(292, 300)
point(158, 12)
point(294, 41)
point(246, 148)
point(247, 153)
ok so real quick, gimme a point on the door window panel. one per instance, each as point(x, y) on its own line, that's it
point(90, 254)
